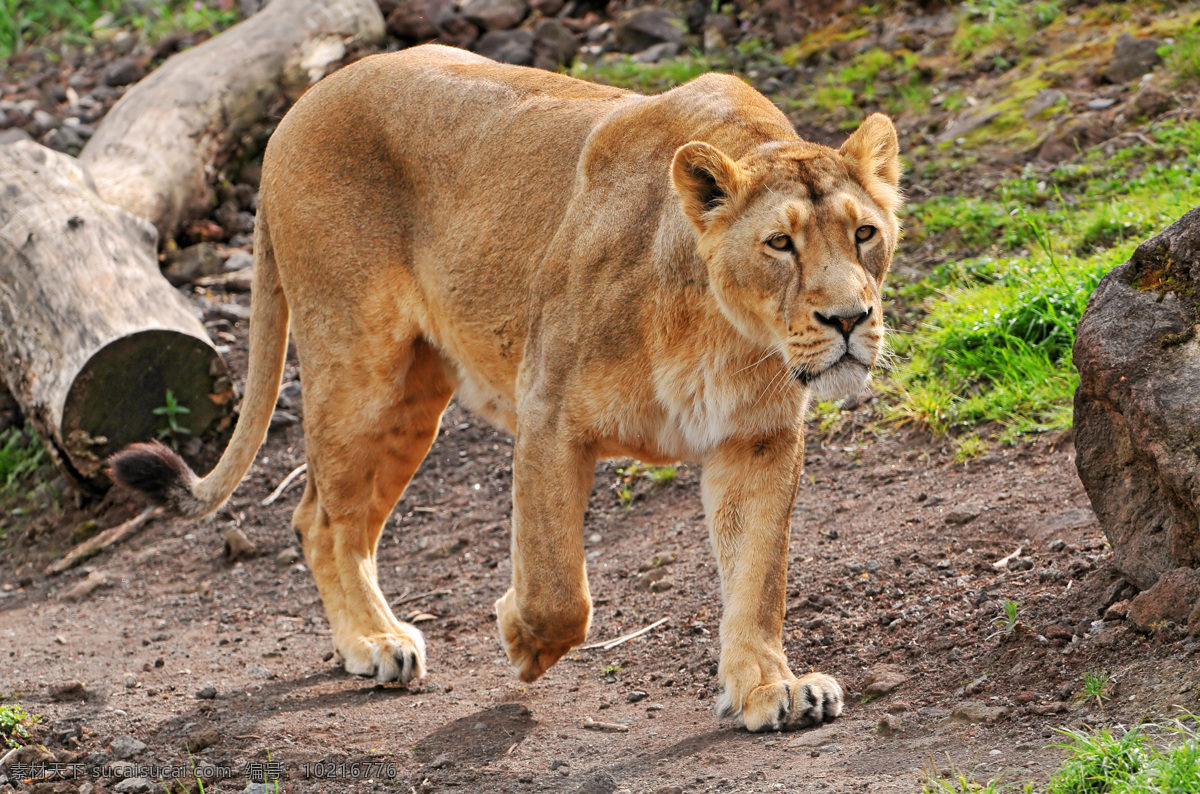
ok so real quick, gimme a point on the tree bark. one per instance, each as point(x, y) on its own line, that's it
point(154, 154)
point(91, 335)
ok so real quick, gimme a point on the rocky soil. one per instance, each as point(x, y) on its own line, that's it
point(205, 643)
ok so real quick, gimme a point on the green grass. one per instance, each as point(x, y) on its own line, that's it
point(991, 25)
point(26, 22)
point(15, 723)
point(21, 455)
point(995, 344)
point(1146, 759)
point(1182, 58)
point(1095, 687)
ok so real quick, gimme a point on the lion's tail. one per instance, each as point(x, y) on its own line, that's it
point(159, 472)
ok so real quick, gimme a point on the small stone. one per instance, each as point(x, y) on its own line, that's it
point(507, 46)
point(125, 747)
point(961, 517)
point(201, 739)
point(258, 671)
point(82, 589)
point(662, 585)
point(1117, 611)
point(130, 681)
point(554, 45)
point(973, 712)
point(70, 692)
point(1054, 632)
point(288, 556)
point(1026, 696)
point(635, 696)
point(898, 707)
point(646, 26)
point(441, 762)
point(238, 546)
point(657, 561)
point(889, 725)
point(656, 52)
point(134, 785)
point(43, 121)
point(492, 15)
point(207, 693)
point(191, 263)
point(1151, 101)
point(882, 680)
point(1058, 544)
point(239, 260)
point(123, 72)
point(1101, 103)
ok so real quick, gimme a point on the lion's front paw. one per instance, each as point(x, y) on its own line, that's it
point(392, 656)
point(792, 703)
point(529, 651)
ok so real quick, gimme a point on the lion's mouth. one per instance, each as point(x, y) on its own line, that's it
point(808, 377)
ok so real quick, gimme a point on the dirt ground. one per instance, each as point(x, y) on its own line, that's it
point(891, 574)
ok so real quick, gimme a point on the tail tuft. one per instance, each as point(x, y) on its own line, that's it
point(157, 471)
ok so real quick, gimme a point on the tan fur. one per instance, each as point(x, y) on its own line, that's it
point(587, 268)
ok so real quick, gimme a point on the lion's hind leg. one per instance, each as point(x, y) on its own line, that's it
point(366, 434)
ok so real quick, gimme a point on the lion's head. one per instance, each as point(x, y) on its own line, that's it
point(797, 238)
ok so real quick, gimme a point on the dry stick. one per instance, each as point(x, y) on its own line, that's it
point(419, 596)
point(1000, 564)
point(109, 537)
point(288, 480)
point(609, 644)
point(611, 727)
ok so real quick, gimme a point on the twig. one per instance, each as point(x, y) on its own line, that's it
point(288, 480)
point(611, 727)
point(609, 644)
point(109, 537)
point(1003, 563)
point(419, 596)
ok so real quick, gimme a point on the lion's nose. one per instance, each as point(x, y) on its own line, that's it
point(843, 322)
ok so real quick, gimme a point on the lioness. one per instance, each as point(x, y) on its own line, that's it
point(602, 273)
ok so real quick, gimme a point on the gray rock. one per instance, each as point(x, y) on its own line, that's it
point(63, 139)
point(646, 26)
point(554, 45)
point(238, 546)
point(507, 46)
point(239, 260)
point(13, 135)
point(495, 14)
point(282, 419)
point(600, 783)
point(1101, 103)
point(258, 788)
point(974, 712)
point(1137, 428)
point(455, 30)
point(43, 121)
point(125, 747)
point(191, 263)
point(289, 556)
point(258, 671)
point(1132, 58)
point(207, 693)
point(290, 397)
point(251, 7)
point(656, 52)
point(134, 785)
point(968, 123)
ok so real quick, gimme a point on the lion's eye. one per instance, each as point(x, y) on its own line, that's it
point(780, 242)
point(864, 233)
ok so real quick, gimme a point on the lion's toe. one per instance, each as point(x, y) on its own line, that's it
point(388, 657)
point(796, 703)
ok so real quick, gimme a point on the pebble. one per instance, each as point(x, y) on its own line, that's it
point(882, 680)
point(69, 692)
point(258, 671)
point(635, 696)
point(134, 785)
point(208, 693)
point(238, 546)
point(288, 556)
point(125, 747)
point(239, 260)
point(889, 725)
point(1101, 103)
point(1058, 544)
point(130, 681)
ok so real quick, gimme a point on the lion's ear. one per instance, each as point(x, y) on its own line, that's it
point(874, 151)
point(705, 179)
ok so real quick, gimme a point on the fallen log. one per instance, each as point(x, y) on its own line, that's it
point(91, 335)
point(156, 152)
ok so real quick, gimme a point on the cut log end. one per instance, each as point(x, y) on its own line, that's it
point(113, 401)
